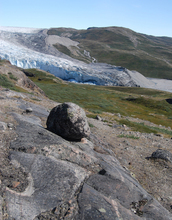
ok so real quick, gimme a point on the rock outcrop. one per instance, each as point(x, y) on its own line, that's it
point(21, 79)
point(162, 154)
point(69, 121)
point(44, 176)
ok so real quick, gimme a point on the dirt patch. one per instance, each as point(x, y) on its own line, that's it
point(155, 175)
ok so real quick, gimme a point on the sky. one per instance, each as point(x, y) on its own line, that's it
point(152, 17)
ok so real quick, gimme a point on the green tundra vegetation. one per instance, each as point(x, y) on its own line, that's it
point(8, 81)
point(147, 104)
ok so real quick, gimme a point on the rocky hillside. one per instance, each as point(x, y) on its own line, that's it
point(115, 173)
point(118, 46)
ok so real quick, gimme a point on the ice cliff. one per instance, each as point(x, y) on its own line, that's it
point(27, 48)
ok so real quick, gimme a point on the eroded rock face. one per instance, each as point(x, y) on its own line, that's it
point(69, 121)
point(52, 183)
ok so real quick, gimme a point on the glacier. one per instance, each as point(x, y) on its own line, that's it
point(65, 69)
point(18, 46)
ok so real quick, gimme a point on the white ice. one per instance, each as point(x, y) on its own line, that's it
point(60, 67)
point(19, 29)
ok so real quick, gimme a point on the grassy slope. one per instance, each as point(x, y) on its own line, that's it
point(140, 103)
point(151, 56)
point(9, 81)
point(146, 104)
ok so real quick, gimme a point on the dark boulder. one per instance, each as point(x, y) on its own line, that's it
point(69, 121)
point(162, 154)
point(28, 73)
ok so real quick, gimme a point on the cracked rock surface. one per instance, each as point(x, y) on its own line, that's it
point(44, 176)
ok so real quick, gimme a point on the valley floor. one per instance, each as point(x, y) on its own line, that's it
point(161, 84)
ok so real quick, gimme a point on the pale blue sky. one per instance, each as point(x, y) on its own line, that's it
point(153, 17)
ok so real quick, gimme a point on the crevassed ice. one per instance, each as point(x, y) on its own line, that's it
point(26, 58)
point(60, 67)
point(65, 69)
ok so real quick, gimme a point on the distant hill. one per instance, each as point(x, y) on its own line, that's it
point(149, 55)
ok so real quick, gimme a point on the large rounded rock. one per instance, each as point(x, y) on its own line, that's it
point(69, 121)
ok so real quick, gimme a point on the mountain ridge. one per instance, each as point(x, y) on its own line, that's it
point(125, 48)
point(75, 55)
point(36, 50)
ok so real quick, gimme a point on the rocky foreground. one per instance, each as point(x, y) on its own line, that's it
point(44, 176)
